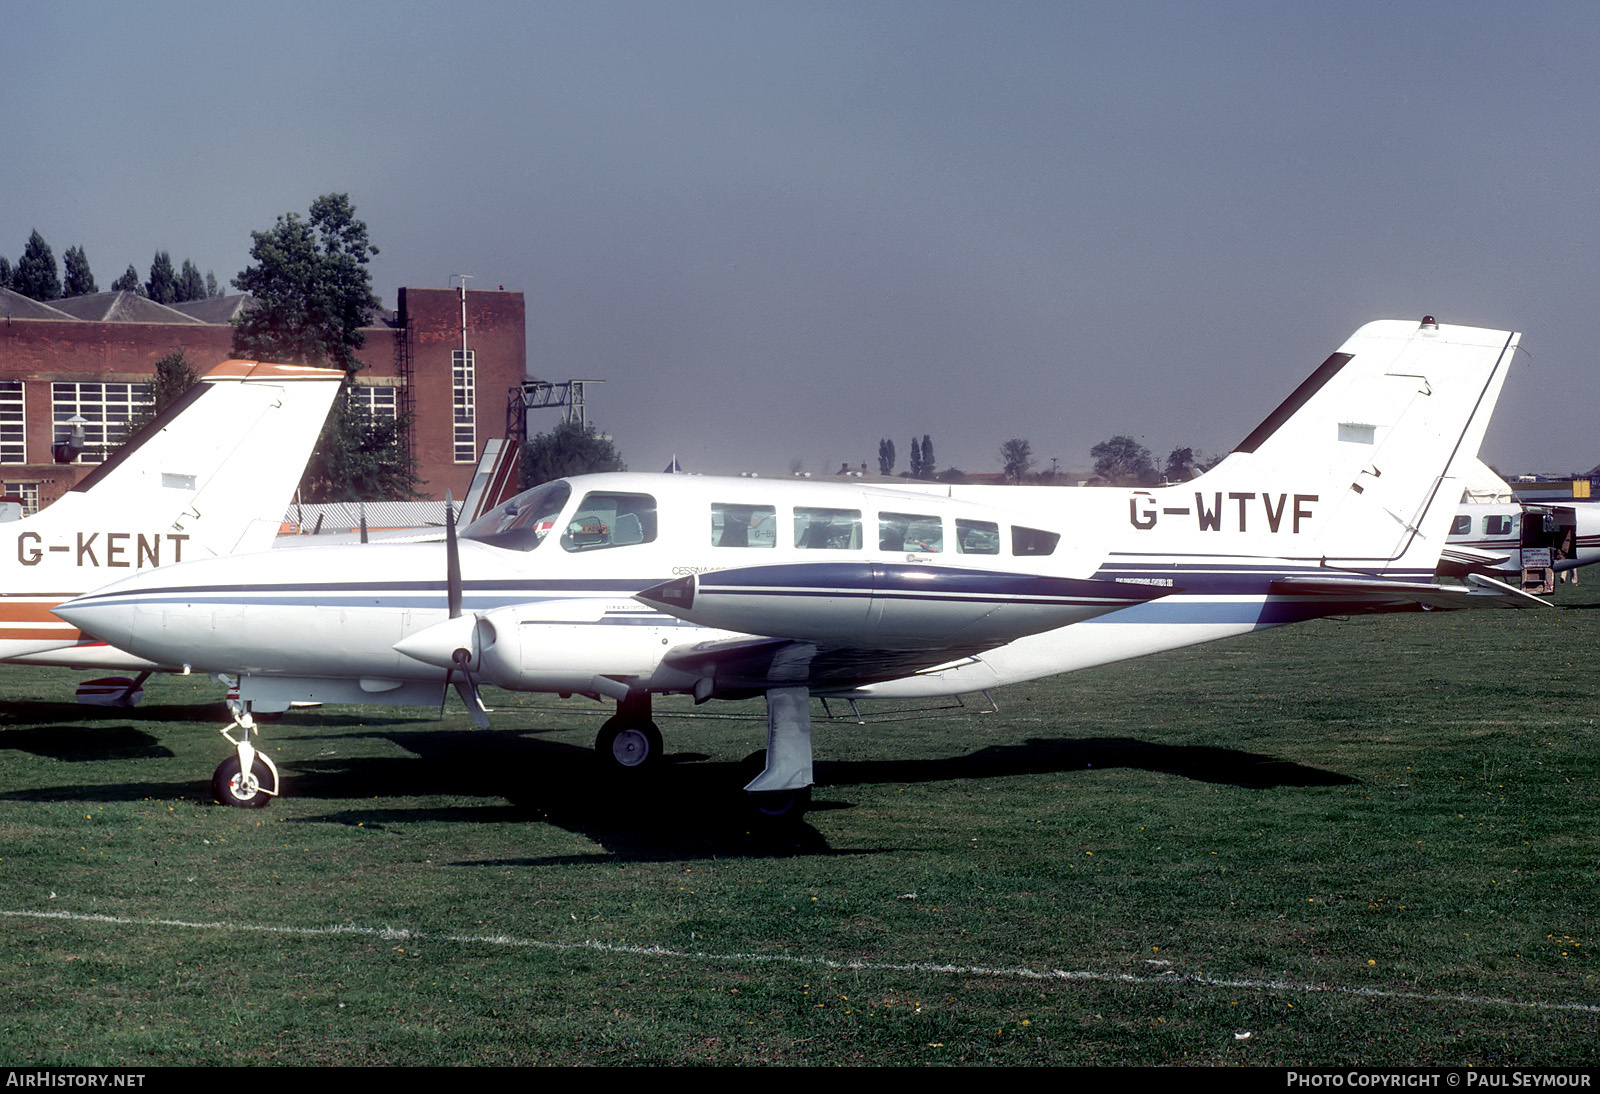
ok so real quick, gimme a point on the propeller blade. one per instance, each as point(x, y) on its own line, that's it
point(467, 688)
point(452, 574)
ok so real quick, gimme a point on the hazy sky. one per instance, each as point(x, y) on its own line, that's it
point(782, 231)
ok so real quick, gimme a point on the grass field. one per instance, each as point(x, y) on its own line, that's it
point(1369, 841)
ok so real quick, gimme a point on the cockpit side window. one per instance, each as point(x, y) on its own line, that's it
point(915, 533)
point(611, 520)
point(1032, 541)
point(827, 529)
point(521, 523)
point(977, 537)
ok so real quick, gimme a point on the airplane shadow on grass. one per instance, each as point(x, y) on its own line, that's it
point(690, 807)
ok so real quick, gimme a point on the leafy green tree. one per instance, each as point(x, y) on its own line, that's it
point(36, 276)
point(360, 457)
point(162, 286)
point(1123, 461)
point(886, 457)
point(568, 449)
point(1016, 457)
point(916, 459)
point(79, 281)
point(312, 290)
point(5, 272)
point(928, 464)
point(175, 374)
point(212, 291)
point(191, 286)
point(313, 294)
point(128, 282)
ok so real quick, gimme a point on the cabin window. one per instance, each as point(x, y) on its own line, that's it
point(914, 533)
point(827, 529)
point(743, 525)
point(521, 523)
point(611, 520)
point(1461, 526)
point(977, 537)
point(1497, 526)
point(1032, 541)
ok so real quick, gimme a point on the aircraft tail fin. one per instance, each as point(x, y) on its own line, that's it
point(1361, 468)
point(216, 469)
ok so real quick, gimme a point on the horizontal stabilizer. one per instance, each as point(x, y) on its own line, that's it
point(1376, 595)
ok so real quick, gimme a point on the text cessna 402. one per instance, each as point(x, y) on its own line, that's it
point(626, 586)
point(211, 475)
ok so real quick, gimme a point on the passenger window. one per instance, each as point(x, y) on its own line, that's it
point(977, 537)
point(910, 532)
point(1032, 541)
point(827, 529)
point(1461, 526)
point(1497, 526)
point(521, 523)
point(611, 520)
point(743, 525)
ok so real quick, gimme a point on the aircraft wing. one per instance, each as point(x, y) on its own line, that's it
point(838, 625)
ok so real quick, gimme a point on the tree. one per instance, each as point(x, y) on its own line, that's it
point(35, 276)
point(212, 291)
point(162, 287)
point(312, 291)
point(174, 376)
point(928, 466)
point(79, 281)
point(128, 282)
point(568, 449)
point(5, 272)
point(313, 294)
point(360, 457)
point(916, 459)
point(191, 286)
point(1123, 461)
point(1185, 463)
point(886, 457)
point(1016, 456)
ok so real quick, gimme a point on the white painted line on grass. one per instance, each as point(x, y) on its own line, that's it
point(396, 934)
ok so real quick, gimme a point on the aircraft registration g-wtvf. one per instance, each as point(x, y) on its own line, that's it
point(211, 475)
point(625, 586)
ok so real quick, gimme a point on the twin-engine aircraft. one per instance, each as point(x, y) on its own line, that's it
point(211, 475)
point(627, 586)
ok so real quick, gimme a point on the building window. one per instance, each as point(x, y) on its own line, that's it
point(28, 492)
point(106, 410)
point(462, 386)
point(381, 402)
point(13, 437)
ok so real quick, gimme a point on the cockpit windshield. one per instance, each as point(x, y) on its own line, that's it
point(522, 523)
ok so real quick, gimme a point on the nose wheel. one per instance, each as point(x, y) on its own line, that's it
point(230, 785)
point(247, 779)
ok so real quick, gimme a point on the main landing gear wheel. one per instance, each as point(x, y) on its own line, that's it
point(231, 786)
point(629, 745)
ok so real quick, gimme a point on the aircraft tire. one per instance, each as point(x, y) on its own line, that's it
point(778, 809)
point(229, 789)
point(628, 746)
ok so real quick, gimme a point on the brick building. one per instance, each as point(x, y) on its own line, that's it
point(93, 357)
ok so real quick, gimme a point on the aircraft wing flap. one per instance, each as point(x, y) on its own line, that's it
point(742, 667)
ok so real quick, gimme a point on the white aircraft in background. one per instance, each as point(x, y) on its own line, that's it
point(211, 475)
point(1495, 534)
point(626, 586)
